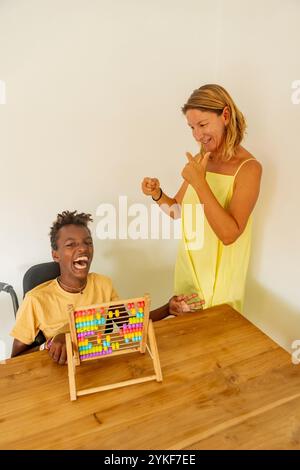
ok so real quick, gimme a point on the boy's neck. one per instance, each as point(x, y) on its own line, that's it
point(72, 285)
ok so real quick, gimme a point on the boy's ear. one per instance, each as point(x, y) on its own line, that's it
point(55, 256)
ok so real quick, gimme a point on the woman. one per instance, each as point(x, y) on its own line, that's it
point(225, 178)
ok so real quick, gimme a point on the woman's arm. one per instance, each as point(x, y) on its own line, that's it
point(228, 224)
point(171, 206)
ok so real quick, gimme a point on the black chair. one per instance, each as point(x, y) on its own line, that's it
point(4, 287)
point(38, 274)
point(35, 276)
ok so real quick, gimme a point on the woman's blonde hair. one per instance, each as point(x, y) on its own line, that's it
point(215, 98)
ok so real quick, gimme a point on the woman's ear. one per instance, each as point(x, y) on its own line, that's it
point(226, 115)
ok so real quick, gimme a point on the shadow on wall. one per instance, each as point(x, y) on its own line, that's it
point(271, 314)
point(136, 270)
point(262, 213)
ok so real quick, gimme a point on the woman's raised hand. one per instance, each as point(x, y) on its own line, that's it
point(151, 187)
point(194, 171)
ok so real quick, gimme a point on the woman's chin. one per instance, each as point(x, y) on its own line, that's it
point(209, 148)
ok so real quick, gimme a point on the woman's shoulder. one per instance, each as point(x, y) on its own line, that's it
point(249, 171)
point(247, 162)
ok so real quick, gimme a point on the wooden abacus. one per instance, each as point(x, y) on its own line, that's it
point(110, 329)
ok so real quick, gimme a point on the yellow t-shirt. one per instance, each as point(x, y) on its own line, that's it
point(45, 307)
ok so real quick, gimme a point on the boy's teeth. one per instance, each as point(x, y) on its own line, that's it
point(80, 265)
point(81, 258)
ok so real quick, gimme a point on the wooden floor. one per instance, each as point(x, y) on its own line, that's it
point(226, 386)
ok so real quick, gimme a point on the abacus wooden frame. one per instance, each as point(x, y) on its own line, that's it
point(148, 342)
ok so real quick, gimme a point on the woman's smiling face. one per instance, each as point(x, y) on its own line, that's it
point(208, 127)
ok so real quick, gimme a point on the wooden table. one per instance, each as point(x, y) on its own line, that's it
point(226, 386)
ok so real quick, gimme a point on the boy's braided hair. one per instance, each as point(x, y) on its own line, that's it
point(68, 218)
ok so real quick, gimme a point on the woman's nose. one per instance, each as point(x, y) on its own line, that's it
point(197, 135)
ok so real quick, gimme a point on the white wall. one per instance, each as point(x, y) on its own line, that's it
point(259, 59)
point(94, 91)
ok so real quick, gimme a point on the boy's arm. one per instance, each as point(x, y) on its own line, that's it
point(21, 348)
point(160, 313)
point(177, 305)
point(26, 327)
point(58, 351)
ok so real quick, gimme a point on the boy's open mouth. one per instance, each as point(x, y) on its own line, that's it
point(81, 262)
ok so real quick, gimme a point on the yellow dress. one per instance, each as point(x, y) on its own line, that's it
point(216, 272)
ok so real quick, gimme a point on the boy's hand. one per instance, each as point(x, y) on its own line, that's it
point(151, 187)
point(58, 350)
point(180, 304)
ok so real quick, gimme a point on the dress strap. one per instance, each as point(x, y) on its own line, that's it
point(245, 161)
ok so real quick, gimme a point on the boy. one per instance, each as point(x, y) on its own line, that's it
point(45, 308)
